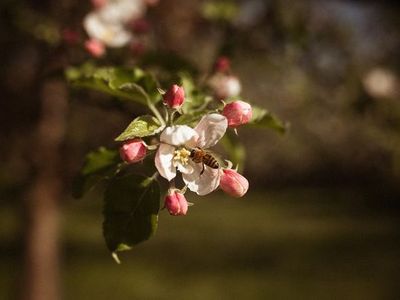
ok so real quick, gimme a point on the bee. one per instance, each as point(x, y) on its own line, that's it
point(199, 155)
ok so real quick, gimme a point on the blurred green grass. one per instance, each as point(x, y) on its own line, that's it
point(283, 244)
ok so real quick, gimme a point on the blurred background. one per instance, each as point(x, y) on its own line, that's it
point(321, 219)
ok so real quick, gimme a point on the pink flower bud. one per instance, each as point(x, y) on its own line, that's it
point(133, 151)
point(97, 4)
point(225, 86)
point(95, 47)
point(223, 64)
point(237, 113)
point(176, 203)
point(233, 183)
point(174, 97)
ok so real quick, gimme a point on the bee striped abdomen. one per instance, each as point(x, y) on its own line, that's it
point(198, 155)
point(210, 161)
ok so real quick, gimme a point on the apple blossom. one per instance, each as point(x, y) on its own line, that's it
point(111, 34)
point(174, 97)
point(175, 203)
point(174, 152)
point(225, 86)
point(133, 151)
point(232, 183)
point(108, 22)
point(238, 113)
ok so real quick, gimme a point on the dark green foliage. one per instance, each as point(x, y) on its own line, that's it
point(131, 205)
point(99, 164)
point(127, 83)
point(263, 119)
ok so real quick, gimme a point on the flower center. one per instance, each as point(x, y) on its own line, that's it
point(181, 156)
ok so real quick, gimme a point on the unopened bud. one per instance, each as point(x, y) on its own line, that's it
point(174, 97)
point(133, 151)
point(95, 47)
point(233, 183)
point(176, 203)
point(222, 65)
point(238, 113)
point(225, 86)
point(97, 4)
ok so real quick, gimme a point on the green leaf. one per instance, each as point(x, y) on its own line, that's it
point(98, 165)
point(111, 80)
point(140, 127)
point(131, 205)
point(263, 119)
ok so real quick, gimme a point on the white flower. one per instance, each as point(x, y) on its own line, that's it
point(110, 34)
point(174, 152)
point(107, 24)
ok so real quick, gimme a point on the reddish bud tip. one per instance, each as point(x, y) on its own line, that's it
point(133, 151)
point(174, 97)
point(97, 4)
point(233, 183)
point(223, 64)
point(176, 203)
point(237, 113)
point(95, 47)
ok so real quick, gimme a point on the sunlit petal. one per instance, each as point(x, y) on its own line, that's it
point(210, 130)
point(202, 184)
point(163, 161)
point(178, 135)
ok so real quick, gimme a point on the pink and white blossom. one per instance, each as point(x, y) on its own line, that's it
point(108, 23)
point(174, 152)
point(111, 34)
point(238, 113)
point(233, 183)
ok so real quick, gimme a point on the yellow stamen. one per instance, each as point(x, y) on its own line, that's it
point(181, 156)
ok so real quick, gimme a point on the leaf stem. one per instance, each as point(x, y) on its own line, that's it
point(150, 104)
point(155, 111)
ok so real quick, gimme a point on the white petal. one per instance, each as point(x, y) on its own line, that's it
point(163, 161)
point(122, 11)
point(210, 129)
point(185, 169)
point(111, 34)
point(178, 135)
point(202, 184)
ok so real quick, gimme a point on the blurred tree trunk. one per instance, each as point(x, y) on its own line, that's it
point(41, 270)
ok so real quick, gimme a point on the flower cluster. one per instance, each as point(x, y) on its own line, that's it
point(115, 24)
point(185, 150)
